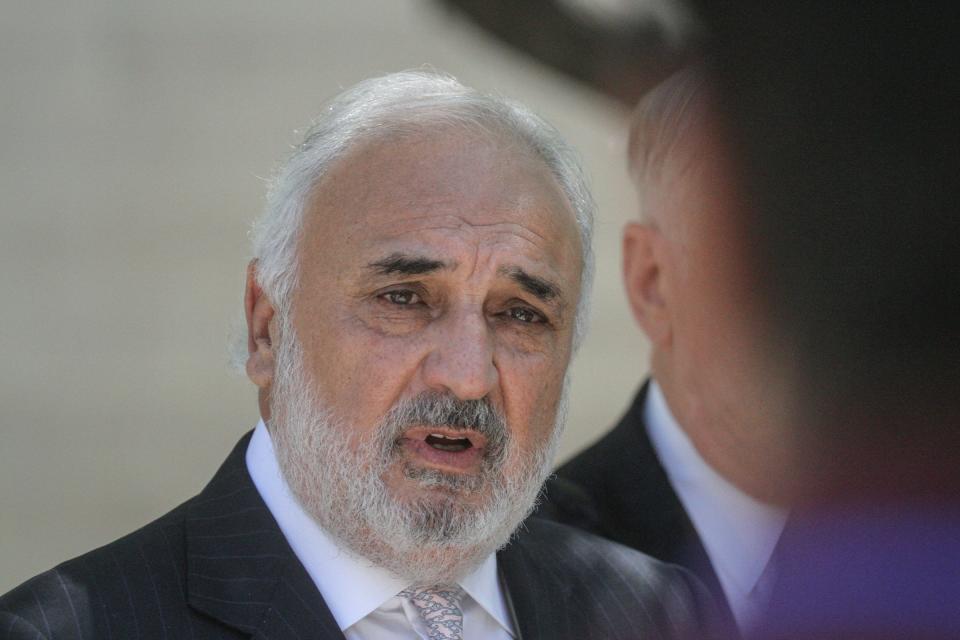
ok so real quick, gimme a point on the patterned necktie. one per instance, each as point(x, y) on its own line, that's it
point(440, 609)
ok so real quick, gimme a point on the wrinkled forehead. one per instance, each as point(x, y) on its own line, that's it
point(481, 176)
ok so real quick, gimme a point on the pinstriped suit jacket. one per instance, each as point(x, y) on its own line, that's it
point(218, 566)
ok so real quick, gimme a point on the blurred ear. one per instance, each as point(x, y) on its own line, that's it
point(643, 277)
point(259, 312)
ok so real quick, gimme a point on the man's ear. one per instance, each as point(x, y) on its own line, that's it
point(260, 343)
point(643, 277)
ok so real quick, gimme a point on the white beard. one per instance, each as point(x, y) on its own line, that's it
point(338, 476)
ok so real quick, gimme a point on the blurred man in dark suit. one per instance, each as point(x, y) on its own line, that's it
point(687, 473)
point(419, 285)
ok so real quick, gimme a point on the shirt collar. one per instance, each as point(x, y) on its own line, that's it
point(483, 585)
point(351, 586)
point(738, 532)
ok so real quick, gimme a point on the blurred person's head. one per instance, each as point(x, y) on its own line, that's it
point(419, 285)
point(844, 116)
point(692, 290)
point(846, 134)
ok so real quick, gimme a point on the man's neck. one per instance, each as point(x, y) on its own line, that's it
point(744, 455)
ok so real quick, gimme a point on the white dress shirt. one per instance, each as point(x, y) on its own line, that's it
point(738, 532)
point(362, 597)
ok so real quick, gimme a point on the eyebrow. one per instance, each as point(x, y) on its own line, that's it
point(534, 285)
point(405, 264)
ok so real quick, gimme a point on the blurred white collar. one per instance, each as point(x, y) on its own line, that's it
point(738, 532)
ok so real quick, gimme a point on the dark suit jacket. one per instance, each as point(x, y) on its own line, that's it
point(218, 566)
point(618, 489)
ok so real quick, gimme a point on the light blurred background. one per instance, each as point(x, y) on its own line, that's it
point(134, 139)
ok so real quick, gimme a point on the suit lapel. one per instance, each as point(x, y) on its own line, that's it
point(297, 610)
point(656, 522)
point(240, 569)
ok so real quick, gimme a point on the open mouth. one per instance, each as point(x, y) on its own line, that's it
point(445, 448)
point(443, 443)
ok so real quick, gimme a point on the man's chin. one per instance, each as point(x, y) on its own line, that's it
point(411, 482)
point(436, 541)
point(441, 515)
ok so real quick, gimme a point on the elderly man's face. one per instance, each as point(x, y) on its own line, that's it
point(443, 264)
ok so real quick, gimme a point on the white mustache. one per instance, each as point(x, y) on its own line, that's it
point(435, 409)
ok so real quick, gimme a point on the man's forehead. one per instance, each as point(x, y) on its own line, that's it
point(440, 166)
point(421, 190)
point(527, 227)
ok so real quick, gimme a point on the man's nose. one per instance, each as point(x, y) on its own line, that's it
point(461, 360)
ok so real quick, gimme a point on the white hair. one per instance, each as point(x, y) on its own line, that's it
point(663, 118)
point(404, 102)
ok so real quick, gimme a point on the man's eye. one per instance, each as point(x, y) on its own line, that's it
point(524, 314)
point(403, 297)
